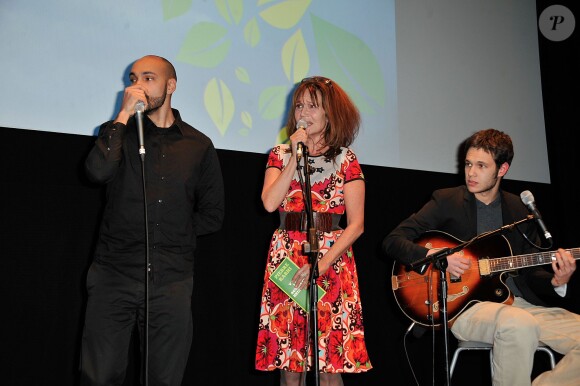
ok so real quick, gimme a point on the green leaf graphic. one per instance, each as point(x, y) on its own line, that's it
point(242, 75)
point(350, 62)
point(205, 45)
point(252, 33)
point(175, 8)
point(219, 103)
point(282, 136)
point(233, 8)
point(295, 58)
point(246, 119)
point(286, 14)
point(272, 102)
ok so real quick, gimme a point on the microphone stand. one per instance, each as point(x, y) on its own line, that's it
point(439, 261)
point(145, 359)
point(310, 248)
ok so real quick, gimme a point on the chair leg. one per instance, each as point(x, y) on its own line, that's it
point(483, 346)
point(550, 355)
point(454, 360)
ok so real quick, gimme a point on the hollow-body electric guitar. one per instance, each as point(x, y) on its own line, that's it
point(418, 294)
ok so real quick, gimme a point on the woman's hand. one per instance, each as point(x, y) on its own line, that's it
point(302, 277)
point(299, 135)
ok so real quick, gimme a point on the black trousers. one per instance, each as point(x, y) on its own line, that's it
point(115, 304)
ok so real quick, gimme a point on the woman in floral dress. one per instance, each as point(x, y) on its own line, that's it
point(329, 123)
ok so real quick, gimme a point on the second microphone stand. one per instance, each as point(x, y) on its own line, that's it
point(310, 248)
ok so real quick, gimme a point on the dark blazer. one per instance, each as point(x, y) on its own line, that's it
point(454, 211)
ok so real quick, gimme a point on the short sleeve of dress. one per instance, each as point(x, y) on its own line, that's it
point(351, 168)
point(275, 159)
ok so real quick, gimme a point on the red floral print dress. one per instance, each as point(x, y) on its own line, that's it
point(282, 325)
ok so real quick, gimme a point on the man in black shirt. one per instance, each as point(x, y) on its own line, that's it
point(185, 199)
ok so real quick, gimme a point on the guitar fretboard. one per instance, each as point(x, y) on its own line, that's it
point(500, 264)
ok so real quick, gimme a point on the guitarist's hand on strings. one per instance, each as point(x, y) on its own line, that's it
point(457, 264)
point(564, 266)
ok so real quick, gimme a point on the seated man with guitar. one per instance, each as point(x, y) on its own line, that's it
point(507, 301)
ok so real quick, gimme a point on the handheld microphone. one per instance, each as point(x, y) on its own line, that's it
point(139, 110)
point(301, 124)
point(528, 200)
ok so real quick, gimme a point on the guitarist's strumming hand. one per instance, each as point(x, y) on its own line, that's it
point(457, 264)
point(564, 266)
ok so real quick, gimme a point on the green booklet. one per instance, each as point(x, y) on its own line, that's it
point(282, 276)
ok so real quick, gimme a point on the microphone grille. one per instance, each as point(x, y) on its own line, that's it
point(527, 197)
point(140, 107)
point(301, 124)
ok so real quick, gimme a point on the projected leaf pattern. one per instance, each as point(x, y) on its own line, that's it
point(295, 59)
point(175, 8)
point(246, 118)
point(231, 10)
point(219, 104)
point(252, 33)
point(270, 101)
point(341, 56)
point(242, 75)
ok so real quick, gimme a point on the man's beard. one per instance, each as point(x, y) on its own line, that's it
point(155, 103)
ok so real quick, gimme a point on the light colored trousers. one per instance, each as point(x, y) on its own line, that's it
point(515, 332)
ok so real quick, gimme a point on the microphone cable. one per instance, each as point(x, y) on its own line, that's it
point(407, 352)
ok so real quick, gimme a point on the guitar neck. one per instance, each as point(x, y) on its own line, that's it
point(501, 264)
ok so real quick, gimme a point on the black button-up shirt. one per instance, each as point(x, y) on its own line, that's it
point(185, 196)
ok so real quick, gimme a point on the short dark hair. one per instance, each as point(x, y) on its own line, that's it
point(495, 142)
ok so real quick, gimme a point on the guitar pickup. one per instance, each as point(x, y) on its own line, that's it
point(484, 267)
point(394, 283)
point(454, 279)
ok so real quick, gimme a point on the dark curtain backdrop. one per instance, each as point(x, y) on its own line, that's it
point(50, 215)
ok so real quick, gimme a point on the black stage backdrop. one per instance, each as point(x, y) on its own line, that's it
point(50, 216)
